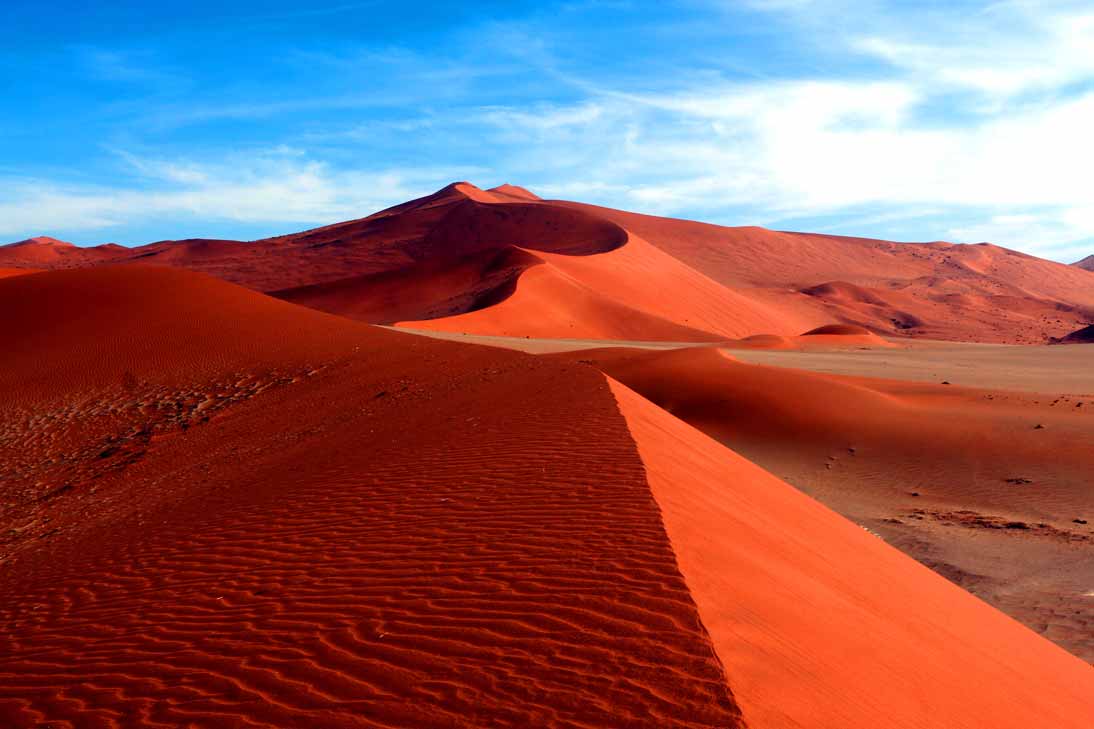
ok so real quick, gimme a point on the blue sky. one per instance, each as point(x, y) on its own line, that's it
point(133, 122)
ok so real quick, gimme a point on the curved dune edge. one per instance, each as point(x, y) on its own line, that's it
point(820, 624)
point(978, 293)
point(549, 304)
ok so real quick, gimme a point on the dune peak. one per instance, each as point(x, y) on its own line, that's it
point(41, 240)
point(514, 191)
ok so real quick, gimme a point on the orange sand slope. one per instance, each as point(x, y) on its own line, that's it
point(225, 510)
point(822, 625)
point(504, 262)
point(990, 488)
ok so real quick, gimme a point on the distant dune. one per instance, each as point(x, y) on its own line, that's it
point(1086, 264)
point(221, 509)
point(505, 262)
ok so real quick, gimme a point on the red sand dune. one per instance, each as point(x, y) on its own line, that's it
point(763, 341)
point(426, 290)
point(39, 243)
point(764, 563)
point(49, 253)
point(1086, 264)
point(912, 461)
point(225, 510)
point(829, 336)
point(936, 290)
point(220, 509)
point(548, 303)
point(669, 278)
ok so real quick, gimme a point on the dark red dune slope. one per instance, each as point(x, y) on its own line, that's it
point(505, 262)
point(224, 510)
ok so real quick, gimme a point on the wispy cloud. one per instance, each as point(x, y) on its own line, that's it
point(1006, 49)
point(281, 185)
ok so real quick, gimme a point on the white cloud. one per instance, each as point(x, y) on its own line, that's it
point(543, 118)
point(794, 149)
point(279, 186)
point(1006, 49)
point(998, 49)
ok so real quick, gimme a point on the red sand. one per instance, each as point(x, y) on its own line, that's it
point(1086, 264)
point(822, 625)
point(224, 510)
point(50, 253)
point(5, 272)
point(221, 509)
point(668, 278)
point(547, 303)
point(831, 336)
point(912, 461)
point(935, 290)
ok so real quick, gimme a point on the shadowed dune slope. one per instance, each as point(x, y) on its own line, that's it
point(1080, 336)
point(428, 290)
point(1086, 264)
point(821, 625)
point(223, 510)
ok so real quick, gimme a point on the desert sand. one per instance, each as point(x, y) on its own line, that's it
point(504, 262)
point(228, 510)
point(731, 478)
point(5, 272)
point(991, 488)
